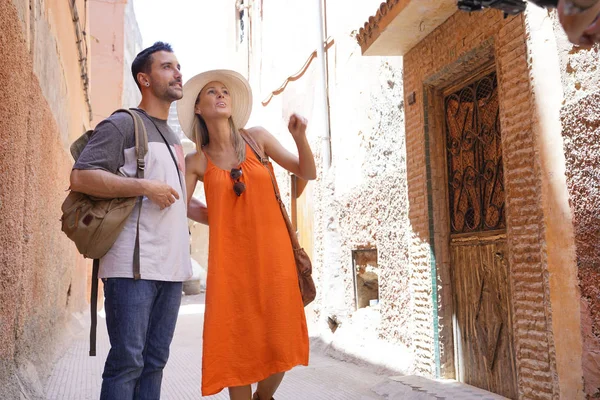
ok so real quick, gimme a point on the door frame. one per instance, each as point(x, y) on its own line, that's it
point(435, 90)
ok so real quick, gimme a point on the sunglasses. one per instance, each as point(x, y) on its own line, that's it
point(238, 186)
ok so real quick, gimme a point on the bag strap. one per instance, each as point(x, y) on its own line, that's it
point(141, 139)
point(264, 160)
point(255, 147)
point(141, 148)
point(168, 146)
point(94, 307)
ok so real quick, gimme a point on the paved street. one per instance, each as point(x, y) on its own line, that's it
point(78, 377)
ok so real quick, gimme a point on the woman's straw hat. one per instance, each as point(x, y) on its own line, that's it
point(239, 90)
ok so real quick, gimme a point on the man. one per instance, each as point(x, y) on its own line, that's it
point(141, 313)
point(579, 19)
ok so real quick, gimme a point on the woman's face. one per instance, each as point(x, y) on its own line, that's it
point(214, 101)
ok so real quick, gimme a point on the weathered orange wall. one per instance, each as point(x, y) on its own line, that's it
point(107, 57)
point(58, 15)
point(41, 275)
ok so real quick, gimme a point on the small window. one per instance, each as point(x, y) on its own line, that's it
point(366, 277)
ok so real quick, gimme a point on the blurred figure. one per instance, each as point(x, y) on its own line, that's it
point(579, 19)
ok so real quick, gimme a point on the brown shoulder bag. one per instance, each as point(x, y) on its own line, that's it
point(303, 264)
point(93, 223)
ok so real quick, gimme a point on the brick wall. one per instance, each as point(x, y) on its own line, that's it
point(464, 43)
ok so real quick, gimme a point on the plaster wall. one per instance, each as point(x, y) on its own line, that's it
point(43, 108)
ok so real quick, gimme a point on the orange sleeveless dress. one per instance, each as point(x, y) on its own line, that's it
point(254, 324)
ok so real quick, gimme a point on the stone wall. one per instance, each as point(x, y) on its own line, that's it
point(42, 277)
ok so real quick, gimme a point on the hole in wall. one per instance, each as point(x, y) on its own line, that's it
point(333, 323)
point(366, 277)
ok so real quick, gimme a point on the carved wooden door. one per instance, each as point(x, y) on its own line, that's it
point(483, 328)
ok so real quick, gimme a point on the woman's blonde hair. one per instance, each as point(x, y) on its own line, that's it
point(202, 138)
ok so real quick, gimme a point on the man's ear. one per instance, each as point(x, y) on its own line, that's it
point(143, 79)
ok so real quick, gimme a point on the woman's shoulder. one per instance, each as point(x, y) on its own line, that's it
point(259, 134)
point(195, 162)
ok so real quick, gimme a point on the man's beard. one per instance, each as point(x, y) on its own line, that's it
point(173, 94)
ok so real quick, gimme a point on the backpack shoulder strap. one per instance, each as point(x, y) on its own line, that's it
point(94, 307)
point(78, 145)
point(141, 148)
point(141, 140)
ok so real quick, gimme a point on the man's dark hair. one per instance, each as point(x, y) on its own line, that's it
point(546, 3)
point(143, 61)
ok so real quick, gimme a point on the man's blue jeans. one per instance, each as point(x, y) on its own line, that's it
point(140, 317)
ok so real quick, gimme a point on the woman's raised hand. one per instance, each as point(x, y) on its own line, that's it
point(297, 126)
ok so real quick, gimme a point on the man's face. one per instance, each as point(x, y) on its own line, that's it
point(165, 76)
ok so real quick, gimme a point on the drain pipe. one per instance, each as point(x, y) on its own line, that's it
point(321, 54)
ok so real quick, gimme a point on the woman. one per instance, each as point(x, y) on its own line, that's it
point(254, 325)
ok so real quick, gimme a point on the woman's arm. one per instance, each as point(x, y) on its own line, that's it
point(197, 210)
point(302, 165)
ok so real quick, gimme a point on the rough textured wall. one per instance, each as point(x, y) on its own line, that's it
point(440, 51)
point(581, 131)
point(367, 203)
point(56, 63)
point(581, 81)
point(39, 284)
point(361, 202)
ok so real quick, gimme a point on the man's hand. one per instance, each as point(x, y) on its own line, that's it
point(297, 127)
point(160, 193)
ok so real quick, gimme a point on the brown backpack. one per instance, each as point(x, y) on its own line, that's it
point(95, 223)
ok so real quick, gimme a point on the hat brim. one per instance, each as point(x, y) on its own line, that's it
point(239, 91)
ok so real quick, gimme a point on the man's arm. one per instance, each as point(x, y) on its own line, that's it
point(197, 211)
point(104, 184)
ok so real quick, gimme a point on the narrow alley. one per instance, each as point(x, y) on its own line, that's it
point(76, 376)
point(445, 191)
